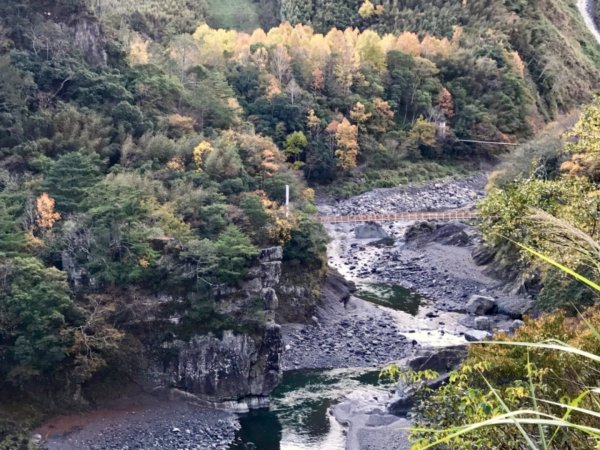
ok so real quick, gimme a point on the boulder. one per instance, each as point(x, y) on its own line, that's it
point(477, 335)
point(381, 243)
point(481, 305)
point(483, 323)
point(439, 360)
point(370, 230)
point(516, 325)
point(451, 234)
point(404, 398)
point(419, 232)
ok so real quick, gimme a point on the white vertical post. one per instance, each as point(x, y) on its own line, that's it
point(287, 199)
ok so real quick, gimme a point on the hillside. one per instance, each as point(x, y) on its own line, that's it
point(145, 149)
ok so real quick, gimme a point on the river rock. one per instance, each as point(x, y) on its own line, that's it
point(403, 399)
point(477, 335)
point(370, 230)
point(440, 360)
point(480, 305)
point(483, 323)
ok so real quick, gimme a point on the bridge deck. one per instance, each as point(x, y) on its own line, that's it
point(401, 217)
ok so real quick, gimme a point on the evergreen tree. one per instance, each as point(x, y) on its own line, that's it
point(12, 239)
point(69, 179)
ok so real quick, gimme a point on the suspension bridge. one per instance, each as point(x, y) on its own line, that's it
point(458, 214)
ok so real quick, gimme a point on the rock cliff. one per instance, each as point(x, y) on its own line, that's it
point(233, 369)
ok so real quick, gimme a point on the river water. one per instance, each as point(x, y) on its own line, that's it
point(298, 418)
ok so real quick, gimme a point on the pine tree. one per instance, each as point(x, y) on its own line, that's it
point(12, 238)
point(69, 179)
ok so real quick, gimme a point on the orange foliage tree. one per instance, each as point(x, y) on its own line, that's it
point(44, 207)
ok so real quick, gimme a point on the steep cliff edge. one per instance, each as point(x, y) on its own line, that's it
point(232, 368)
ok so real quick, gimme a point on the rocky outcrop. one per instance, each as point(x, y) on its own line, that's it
point(236, 368)
point(369, 424)
point(422, 233)
point(88, 37)
point(238, 371)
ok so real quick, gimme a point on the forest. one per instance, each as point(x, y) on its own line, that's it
point(145, 147)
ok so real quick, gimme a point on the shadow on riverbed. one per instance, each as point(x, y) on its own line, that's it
point(390, 295)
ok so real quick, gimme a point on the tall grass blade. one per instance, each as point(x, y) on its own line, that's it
point(507, 409)
point(559, 266)
point(535, 404)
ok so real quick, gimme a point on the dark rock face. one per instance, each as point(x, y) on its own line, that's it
point(370, 230)
point(229, 368)
point(336, 287)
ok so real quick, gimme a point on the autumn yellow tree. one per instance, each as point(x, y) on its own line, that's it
point(370, 50)
point(409, 43)
point(347, 145)
point(360, 115)
point(200, 153)
point(138, 51)
point(383, 116)
point(367, 9)
point(46, 216)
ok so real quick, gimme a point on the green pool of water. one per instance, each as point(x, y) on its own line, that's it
point(390, 295)
point(298, 418)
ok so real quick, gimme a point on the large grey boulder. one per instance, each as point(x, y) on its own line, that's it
point(370, 230)
point(422, 233)
point(477, 335)
point(481, 305)
point(483, 323)
point(439, 360)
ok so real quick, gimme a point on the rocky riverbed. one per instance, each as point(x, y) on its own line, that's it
point(433, 196)
point(459, 303)
point(141, 422)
